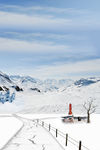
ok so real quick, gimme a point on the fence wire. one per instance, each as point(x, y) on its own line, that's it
point(63, 135)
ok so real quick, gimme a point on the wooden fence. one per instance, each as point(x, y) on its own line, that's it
point(65, 136)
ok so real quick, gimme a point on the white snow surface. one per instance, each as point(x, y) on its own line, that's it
point(32, 136)
point(87, 133)
point(9, 126)
point(54, 102)
point(57, 102)
point(16, 106)
point(54, 97)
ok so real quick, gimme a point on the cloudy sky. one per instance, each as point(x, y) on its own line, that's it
point(50, 38)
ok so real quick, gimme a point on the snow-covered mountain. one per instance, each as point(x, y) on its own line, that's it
point(86, 82)
point(29, 83)
point(6, 83)
point(51, 96)
point(21, 83)
point(4, 79)
point(58, 102)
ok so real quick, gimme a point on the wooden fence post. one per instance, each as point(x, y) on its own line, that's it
point(42, 124)
point(49, 127)
point(56, 132)
point(66, 139)
point(80, 145)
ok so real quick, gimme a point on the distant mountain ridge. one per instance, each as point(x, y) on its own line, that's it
point(31, 83)
point(21, 83)
point(42, 85)
point(86, 82)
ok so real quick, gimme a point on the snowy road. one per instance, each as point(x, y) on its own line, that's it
point(33, 136)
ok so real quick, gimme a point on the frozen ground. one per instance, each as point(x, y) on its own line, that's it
point(9, 126)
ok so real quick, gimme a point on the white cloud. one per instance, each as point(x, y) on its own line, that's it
point(70, 70)
point(22, 46)
point(15, 20)
point(44, 9)
point(17, 45)
point(73, 70)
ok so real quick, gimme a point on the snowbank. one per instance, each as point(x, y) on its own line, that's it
point(9, 126)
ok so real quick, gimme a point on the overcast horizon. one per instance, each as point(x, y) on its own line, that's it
point(50, 39)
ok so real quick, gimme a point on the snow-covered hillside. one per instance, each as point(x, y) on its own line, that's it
point(51, 85)
point(51, 96)
point(57, 102)
point(33, 84)
point(6, 83)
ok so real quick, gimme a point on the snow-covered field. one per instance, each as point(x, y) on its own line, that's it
point(33, 136)
point(53, 102)
point(57, 102)
point(49, 106)
point(50, 96)
point(87, 133)
point(16, 106)
point(9, 126)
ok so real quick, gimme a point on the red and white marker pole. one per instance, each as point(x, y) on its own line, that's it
point(70, 109)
